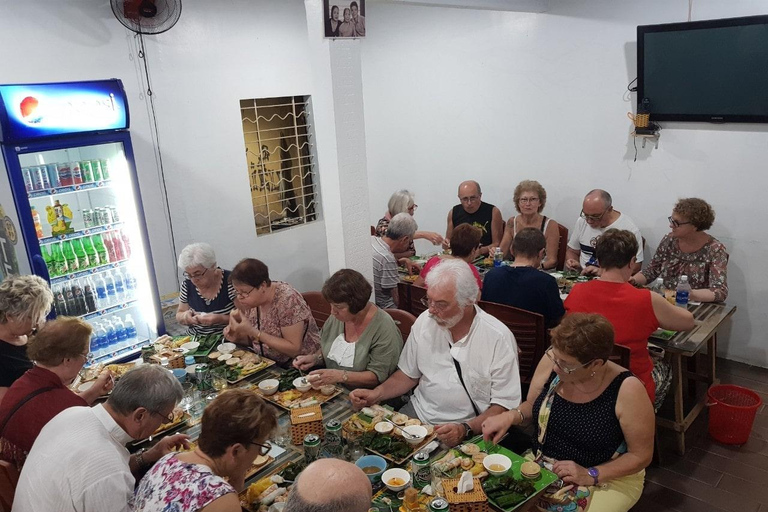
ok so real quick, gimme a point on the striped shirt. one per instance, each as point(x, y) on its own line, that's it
point(222, 304)
point(385, 275)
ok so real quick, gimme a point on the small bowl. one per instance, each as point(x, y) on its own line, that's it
point(302, 384)
point(328, 389)
point(190, 346)
point(269, 386)
point(180, 374)
point(499, 459)
point(226, 348)
point(370, 461)
point(390, 474)
point(415, 430)
point(383, 427)
point(224, 357)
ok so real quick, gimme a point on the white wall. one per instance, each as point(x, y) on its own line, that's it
point(218, 53)
point(454, 94)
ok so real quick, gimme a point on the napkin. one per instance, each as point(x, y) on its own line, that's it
point(466, 484)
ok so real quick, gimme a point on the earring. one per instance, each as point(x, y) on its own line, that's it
point(593, 374)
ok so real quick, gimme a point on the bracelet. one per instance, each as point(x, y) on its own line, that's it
point(319, 358)
point(140, 460)
point(522, 416)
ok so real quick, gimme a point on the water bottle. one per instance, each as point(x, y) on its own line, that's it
point(130, 285)
point(114, 340)
point(119, 285)
point(101, 292)
point(111, 293)
point(130, 329)
point(497, 257)
point(122, 336)
point(683, 292)
point(657, 286)
point(102, 340)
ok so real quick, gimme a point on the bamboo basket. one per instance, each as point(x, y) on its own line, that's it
point(301, 426)
point(473, 501)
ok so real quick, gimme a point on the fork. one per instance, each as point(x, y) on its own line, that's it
point(407, 435)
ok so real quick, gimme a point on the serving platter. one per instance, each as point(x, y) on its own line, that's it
point(289, 471)
point(292, 398)
point(398, 450)
point(237, 373)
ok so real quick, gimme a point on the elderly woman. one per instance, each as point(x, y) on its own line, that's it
point(594, 423)
point(347, 27)
point(530, 199)
point(271, 316)
point(360, 344)
point(234, 432)
point(25, 301)
point(403, 201)
point(465, 245)
point(634, 313)
point(689, 250)
point(59, 351)
point(207, 295)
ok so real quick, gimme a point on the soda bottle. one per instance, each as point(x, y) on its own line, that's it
point(77, 173)
point(111, 293)
point(122, 336)
point(77, 292)
point(102, 300)
point(86, 169)
point(117, 242)
point(130, 284)
point(59, 302)
point(101, 251)
point(47, 258)
point(126, 243)
point(498, 257)
point(70, 256)
point(117, 277)
point(107, 241)
point(130, 330)
point(36, 220)
point(89, 292)
point(69, 297)
point(104, 169)
point(59, 261)
point(82, 258)
point(96, 166)
point(683, 292)
point(90, 252)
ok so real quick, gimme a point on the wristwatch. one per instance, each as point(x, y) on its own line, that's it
point(467, 430)
point(594, 473)
point(344, 376)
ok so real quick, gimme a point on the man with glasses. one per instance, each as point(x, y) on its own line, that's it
point(461, 361)
point(385, 277)
point(472, 210)
point(79, 461)
point(597, 216)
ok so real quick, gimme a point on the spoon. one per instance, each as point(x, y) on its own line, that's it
point(407, 435)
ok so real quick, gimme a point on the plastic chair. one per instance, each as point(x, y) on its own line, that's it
point(9, 478)
point(404, 321)
point(321, 310)
point(562, 247)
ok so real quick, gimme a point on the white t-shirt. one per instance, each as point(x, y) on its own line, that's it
point(489, 366)
point(78, 464)
point(385, 275)
point(584, 236)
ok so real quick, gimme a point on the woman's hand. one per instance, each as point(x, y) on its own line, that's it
point(104, 383)
point(496, 426)
point(324, 377)
point(305, 362)
point(434, 238)
point(239, 329)
point(572, 473)
point(190, 317)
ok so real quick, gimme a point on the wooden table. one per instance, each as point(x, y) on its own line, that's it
point(708, 317)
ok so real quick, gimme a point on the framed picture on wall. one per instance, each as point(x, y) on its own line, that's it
point(344, 19)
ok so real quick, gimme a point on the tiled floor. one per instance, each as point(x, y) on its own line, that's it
point(712, 477)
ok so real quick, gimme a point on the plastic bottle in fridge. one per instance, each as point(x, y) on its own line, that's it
point(60, 301)
point(89, 292)
point(117, 277)
point(82, 257)
point(122, 336)
point(117, 242)
point(101, 291)
point(130, 284)
point(111, 293)
point(38, 225)
point(53, 175)
point(130, 329)
point(101, 251)
point(27, 175)
point(107, 241)
point(77, 291)
point(126, 243)
point(47, 258)
point(59, 261)
point(93, 257)
point(69, 255)
point(69, 297)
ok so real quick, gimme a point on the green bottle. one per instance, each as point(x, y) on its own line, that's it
point(101, 251)
point(90, 252)
point(59, 261)
point(82, 258)
point(47, 258)
point(70, 256)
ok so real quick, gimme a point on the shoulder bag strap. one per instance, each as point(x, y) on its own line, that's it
point(461, 379)
point(21, 404)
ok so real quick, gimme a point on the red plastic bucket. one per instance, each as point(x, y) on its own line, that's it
point(732, 412)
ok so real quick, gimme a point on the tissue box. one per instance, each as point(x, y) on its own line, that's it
point(308, 424)
point(473, 501)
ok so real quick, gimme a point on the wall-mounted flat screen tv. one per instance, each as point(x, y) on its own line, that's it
point(712, 71)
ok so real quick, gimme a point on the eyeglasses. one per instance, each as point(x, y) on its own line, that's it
point(529, 199)
point(167, 417)
point(413, 207)
point(241, 295)
point(437, 306)
point(676, 223)
point(264, 448)
point(594, 218)
point(197, 275)
point(469, 199)
point(565, 370)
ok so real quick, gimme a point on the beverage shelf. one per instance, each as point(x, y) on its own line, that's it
point(79, 234)
point(69, 189)
point(107, 311)
point(124, 352)
point(87, 272)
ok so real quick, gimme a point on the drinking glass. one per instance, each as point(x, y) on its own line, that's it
point(282, 434)
point(219, 378)
point(438, 475)
point(355, 448)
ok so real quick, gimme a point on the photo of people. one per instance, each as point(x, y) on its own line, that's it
point(344, 20)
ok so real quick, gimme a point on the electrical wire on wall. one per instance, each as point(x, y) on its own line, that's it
point(690, 9)
point(142, 54)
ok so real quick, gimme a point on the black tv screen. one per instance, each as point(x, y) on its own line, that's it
point(715, 70)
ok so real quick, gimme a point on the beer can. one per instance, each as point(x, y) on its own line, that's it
point(104, 169)
point(27, 175)
point(65, 174)
point(77, 173)
point(96, 168)
point(332, 444)
point(106, 214)
point(203, 377)
point(115, 216)
point(421, 472)
point(53, 174)
point(86, 169)
point(147, 353)
point(311, 448)
point(88, 220)
point(438, 505)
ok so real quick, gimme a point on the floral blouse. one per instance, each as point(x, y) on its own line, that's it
point(383, 226)
point(288, 308)
point(175, 486)
point(705, 268)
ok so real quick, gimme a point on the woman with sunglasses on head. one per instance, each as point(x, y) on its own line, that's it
point(25, 301)
point(594, 424)
point(271, 316)
point(689, 250)
point(634, 313)
point(234, 432)
point(206, 295)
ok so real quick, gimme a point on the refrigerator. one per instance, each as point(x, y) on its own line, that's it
point(71, 211)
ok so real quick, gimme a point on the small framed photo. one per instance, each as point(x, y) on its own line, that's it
point(344, 19)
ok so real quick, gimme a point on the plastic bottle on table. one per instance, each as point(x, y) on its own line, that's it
point(683, 292)
point(498, 257)
point(657, 286)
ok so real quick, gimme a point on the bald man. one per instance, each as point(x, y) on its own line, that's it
point(597, 216)
point(472, 210)
point(330, 485)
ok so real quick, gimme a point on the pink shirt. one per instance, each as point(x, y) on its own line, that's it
point(434, 260)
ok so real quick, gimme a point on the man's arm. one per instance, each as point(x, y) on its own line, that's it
point(397, 384)
point(572, 259)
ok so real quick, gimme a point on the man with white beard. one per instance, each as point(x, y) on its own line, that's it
point(461, 360)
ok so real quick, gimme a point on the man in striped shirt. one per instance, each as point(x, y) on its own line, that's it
point(385, 278)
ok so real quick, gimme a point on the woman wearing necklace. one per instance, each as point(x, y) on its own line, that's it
point(594, 424)
point(234, 432)
point(360, 343)
point(206, 295)
point(271, 316)
point(634, 313)
point(530, 199)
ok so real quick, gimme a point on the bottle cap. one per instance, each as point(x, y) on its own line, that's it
point(189, 360)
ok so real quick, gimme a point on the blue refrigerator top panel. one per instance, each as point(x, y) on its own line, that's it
point(34, 111)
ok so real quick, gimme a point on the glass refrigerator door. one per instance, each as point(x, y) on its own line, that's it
point(87, 224)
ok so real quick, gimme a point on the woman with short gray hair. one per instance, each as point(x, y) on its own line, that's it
point(206, 296)
point(403, 201)
point(25, 301)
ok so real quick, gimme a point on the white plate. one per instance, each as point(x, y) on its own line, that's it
point(224, 357)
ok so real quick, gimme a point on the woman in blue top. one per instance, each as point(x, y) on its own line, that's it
point(206, 295)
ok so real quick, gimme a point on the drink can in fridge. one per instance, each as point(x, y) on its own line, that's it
point(106, 214)
point(104, 169)
point(40, 178)
point(86, 169)
point(65, 174)
point(53, 174)
point(88, 220)
point(96, 168)
point(27, 175)
point(115, 216)
point(77, 173)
